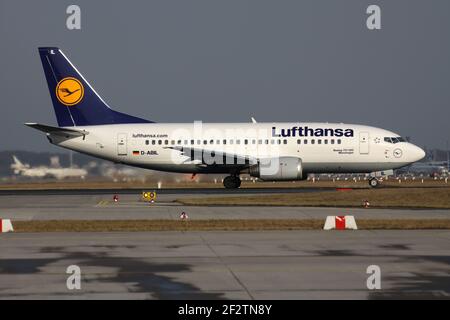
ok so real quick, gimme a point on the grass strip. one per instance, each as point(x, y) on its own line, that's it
point(436, 198)
point(218, 225)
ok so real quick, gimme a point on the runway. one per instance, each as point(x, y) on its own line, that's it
point(215, 265)
point(101, 207)
point(226, 265)
point(173, 191)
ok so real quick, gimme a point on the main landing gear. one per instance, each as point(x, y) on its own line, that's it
point(232, 182)
point(373, 182)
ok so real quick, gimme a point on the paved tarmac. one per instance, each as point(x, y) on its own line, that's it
point(101, 207)
point(226, 265)
point(168, 191)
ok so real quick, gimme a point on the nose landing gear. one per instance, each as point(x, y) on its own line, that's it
point(232, 182)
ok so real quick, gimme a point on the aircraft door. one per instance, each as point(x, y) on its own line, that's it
point(122, 144)
point(363, 143)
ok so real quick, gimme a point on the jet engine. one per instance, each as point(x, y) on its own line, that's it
point(278, 169)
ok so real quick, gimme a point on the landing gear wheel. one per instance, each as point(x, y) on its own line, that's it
point(232, 182)
point(373, 182)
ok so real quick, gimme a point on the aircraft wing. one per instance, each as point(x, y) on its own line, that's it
point(206, 157)
point(57, 130)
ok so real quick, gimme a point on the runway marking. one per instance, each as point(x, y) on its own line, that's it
point(102, 203)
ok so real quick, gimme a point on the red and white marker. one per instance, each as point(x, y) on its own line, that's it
point(6, 225)
point(340, 223)
point(116, 198)
point(184, 216)
point(366, 204)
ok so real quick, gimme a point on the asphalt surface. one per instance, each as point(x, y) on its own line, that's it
point(226, 265)
point(215, 265)
point(174, 191)
point(102, 207)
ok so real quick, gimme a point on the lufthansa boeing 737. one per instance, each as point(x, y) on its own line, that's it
point(268, 151)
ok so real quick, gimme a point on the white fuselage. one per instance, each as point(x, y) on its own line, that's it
point(320, 146)
point(58, 173)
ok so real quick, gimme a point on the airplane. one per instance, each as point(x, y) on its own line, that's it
point(42, 171)
point(268, 151)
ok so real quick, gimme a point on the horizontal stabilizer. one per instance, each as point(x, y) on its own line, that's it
point(57, 130)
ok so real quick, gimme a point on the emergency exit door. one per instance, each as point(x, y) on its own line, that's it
point(363, 143)
point(122, 144)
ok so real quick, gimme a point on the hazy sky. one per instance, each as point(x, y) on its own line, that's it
point(228, 60)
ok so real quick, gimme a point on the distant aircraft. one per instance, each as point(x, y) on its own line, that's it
point(268, 151)
point(425, 169)
point(43, 171)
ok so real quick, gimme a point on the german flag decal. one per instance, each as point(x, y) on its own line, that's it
point(135, 153)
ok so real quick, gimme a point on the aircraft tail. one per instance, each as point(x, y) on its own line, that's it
point(75, 102)
point(17, 165)
point(17, 161)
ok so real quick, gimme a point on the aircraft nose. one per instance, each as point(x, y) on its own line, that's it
point(417, 153)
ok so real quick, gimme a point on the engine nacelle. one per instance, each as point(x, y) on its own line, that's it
point(278, 169)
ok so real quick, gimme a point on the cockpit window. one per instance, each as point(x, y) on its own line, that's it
point(394, 139)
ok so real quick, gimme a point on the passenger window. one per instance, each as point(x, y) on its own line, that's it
point(153, 142)
point(199, 141)
point(332, 141)
point(166, 142)
point(253, 141)
point(238, 141)
point(147, 142)
point(272, 141)
point(159, 141)
point(192, 141)
point(339, 141)
point(260, 141)
point(224, 141)
point(217, 141)
point(285, 141)
point(211, 142)
point(205, 142)
point(267, 141)
point(325, 141)
point(312, 141)
point(305, 141)
point(319, 141)
point(185, 142)
point(245, 141)
point(299, 141)
point(231, 141)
